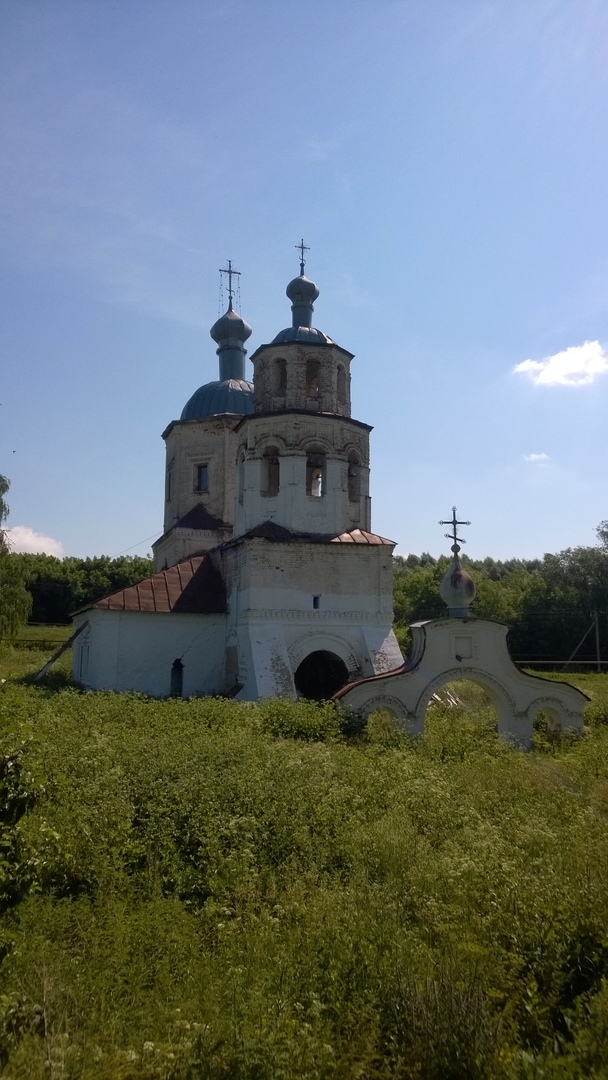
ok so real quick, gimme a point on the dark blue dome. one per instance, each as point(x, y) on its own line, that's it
point(215, 398)
point(303, 333)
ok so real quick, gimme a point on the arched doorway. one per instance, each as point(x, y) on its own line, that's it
point(320, 675)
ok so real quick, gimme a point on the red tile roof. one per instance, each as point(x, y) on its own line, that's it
point(193, 586)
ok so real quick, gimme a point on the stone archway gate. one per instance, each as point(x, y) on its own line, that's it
point(450, 648)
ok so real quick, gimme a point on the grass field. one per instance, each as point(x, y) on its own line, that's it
point(209, 889)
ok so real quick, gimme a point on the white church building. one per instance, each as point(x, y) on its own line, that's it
point(269, 581)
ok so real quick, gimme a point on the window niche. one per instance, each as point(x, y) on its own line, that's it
point(315, 474)
point(354, 478)
point(201, 478)
point(270, 472)
point(280, 377)
point(313, 368)
point(241, 477)
point(341, 385)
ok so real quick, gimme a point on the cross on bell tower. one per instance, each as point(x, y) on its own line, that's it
point(301, 247)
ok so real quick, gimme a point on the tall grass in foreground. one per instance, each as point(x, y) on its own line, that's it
point(209, 889)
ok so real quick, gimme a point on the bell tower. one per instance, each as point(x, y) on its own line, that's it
point(302, 461)
point(308, 585)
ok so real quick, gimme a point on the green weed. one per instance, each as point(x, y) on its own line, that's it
point(213, 889)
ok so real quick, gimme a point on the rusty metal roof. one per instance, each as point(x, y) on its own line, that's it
point(269, 530)
point(197, 518)
point(200, 518)
point(360, 536)
point(193, 586)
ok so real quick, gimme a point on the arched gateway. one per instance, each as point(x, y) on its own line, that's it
point(476, 649)
point(458, 647)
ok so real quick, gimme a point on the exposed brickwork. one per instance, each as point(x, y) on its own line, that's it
point(329, 392)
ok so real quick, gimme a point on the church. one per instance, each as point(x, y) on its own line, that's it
point(268, 579)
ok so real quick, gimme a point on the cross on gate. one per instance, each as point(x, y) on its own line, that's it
point(457, 540)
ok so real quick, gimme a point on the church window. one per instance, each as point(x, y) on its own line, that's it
point(341, 385)
point(316, 602)
point(315, 474)
point(280, 374)
point(168, 486)
point(312, 378)
point(201, 477)
point(270, 472)
point(354, 478)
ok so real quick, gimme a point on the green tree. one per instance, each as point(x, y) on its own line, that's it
point(61, 586)
point(15, 600)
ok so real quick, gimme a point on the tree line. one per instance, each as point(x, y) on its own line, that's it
point(59, 587)
point(549, 603)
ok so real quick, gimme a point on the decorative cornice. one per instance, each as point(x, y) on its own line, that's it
point(300, 615)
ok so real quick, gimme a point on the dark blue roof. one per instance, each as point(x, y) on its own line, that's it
point(215, 398)
point(302, 333)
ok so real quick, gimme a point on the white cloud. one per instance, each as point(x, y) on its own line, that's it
point(22, 538)
point(576, 366)
point(537, 459)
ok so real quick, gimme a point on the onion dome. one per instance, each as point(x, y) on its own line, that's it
point(302, 292)
point(231, 329)
point(457, 588)
point(231, 393)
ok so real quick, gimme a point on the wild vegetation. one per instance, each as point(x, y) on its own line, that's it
point(15, 600)
point(209, 889)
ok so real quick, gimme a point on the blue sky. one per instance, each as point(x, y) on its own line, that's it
point(445, 160)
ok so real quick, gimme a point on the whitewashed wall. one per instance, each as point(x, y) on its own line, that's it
point(130, 650)
point(274, 621)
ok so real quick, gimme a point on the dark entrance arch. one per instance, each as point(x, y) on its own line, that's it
point(320, 675)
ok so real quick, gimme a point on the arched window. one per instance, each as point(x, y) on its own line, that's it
point(315, 474)
point(280, 376)
point(312, 378)
point(341, 385)
point(354, 477)
point(270, 472)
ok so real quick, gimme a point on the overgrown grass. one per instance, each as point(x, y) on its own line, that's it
point(45, 638)
point(17, 663)
point(220, 890)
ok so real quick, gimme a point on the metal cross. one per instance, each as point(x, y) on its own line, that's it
point(302, 248)
point(453, 535)
point(231, 273)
